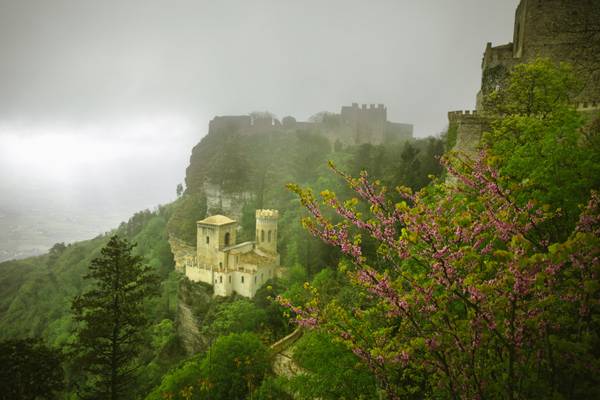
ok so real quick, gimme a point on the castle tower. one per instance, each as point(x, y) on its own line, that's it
point(266, 230)
point(213, 234)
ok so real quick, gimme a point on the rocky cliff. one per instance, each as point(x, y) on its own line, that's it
point(183, 253)
point(194, 301)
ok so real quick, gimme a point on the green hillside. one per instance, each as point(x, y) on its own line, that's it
point(37, 292)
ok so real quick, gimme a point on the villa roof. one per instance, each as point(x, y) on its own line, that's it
point(217, 220)
point(254, 258)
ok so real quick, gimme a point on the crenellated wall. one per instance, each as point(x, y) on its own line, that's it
point(591, 106)
point(365, 123)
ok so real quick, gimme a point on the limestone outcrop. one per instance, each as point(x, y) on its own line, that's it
point(193, 301)
point(183, 253)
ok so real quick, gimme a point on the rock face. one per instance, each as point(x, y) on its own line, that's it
point(193, 302)
point(183, 253)
point(220, 202)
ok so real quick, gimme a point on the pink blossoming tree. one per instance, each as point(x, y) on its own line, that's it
point(466, 297)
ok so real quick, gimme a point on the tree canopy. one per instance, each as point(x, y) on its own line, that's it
point(484, 285)
point(30, 370)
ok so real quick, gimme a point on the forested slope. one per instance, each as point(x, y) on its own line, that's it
point(37, 292)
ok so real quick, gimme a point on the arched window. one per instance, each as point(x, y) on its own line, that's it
point(269, 236)
point(220, 279)
point(229, 278)
point(262, 236)
point(207, 239)
point(242, 279)
point(227, 236)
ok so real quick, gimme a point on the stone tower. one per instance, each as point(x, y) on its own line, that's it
point(266, 230)
point(563, 31)
point(214, 233)
point(560, 30)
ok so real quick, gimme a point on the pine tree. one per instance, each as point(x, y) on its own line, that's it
point(111, 320)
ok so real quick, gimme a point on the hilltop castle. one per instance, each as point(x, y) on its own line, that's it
point(229, 266)
point(556, 29)
point(353, 125)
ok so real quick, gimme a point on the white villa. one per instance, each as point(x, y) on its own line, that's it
point(229, 267)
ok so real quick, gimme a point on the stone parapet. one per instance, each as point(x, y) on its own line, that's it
point(588, 106)
point(283, 351)
point(466, 116)
point(287, 341)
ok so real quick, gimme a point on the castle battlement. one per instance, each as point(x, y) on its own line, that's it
point(267, 214)
point(369, 106)
point(465, 116)
point(355, 124)
point(588, 106)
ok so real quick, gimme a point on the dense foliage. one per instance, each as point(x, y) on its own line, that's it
point(30, 370)
point(234, 367)
point(329, 371)
point(484, 286)
point(37, 294)
point(541, 142)
point(187, 210)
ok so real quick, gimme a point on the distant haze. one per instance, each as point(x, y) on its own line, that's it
point(102, 101)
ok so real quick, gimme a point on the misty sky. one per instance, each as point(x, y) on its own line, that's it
point(102, 101)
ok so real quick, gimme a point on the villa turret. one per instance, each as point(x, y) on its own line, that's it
point(266, 230)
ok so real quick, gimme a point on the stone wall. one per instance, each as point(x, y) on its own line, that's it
point(197, 274)
point(589, 107)
point(565, 31)
point(561, 30)
point(365, 123)
point(283, 350)
point(470, 126)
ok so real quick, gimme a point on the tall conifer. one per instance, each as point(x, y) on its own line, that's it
point(111, 320)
